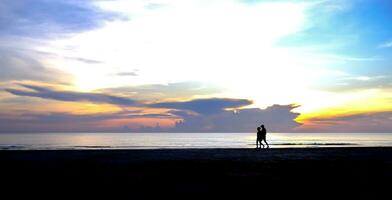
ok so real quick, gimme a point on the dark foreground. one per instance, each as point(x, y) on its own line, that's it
point(197, 173)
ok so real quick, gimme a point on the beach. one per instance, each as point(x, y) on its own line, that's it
point(196, 173)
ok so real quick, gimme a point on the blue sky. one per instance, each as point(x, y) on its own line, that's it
point(324, 62)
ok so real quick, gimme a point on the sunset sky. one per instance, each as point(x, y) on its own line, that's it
point(195, 65)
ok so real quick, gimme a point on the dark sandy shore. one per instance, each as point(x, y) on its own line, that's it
point(198, 173)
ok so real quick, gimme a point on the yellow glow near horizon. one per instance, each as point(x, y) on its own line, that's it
point(368, 101)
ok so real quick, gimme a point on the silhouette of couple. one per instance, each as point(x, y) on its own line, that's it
point(261, 135)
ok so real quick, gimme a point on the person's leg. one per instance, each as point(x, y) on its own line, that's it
point(265, 140)
point(257, 143)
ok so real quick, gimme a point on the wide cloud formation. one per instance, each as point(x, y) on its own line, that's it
point(197, 115)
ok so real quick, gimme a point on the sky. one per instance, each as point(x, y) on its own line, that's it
point(195, 65)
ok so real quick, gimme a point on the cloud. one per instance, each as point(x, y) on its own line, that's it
point(67, 117)
point(56, 56)
point(277, 118)
point(187, 46)
point(205, 106)
point(204, 115)
point(42, 18)
point(356, 83)
point(46, 93)
point(66, 122)
point(364, 123)
point(26, 27)
point(153, 6)
point(85, 60)
point(197, 115)
point(17, 64)
point(178, 90)
point(126, 74)
point(387, 44)
point(197, 105)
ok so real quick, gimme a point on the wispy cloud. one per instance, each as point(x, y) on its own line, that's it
point(17, 64)
point(177, 90)
point(47, 93)
point(211, 105)
point(364, 122)
point(205, 106)
point(47, 18)
point(356, 83)
point(387, 44)
point(126, 74)
point(85, 60)
point(64, 122)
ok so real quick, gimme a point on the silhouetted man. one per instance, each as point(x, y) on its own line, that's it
point(261, 135)
point(258, 139)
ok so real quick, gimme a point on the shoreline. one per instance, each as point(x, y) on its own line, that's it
point(131, 148)
point(109, 148)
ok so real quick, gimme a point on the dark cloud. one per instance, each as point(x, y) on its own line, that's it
point(365, 123)
point(205, 106)
point(42, 18)
point(47, 93)
point(277, 118)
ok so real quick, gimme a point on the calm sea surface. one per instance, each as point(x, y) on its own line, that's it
point(22, 141)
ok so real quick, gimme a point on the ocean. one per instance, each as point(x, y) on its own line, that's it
point(50, 141)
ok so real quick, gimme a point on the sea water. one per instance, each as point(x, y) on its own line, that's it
point(42, 141)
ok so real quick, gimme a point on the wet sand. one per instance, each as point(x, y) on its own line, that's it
point(198, 173)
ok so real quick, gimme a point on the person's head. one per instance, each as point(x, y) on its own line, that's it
point(258, 128)
point(262, 126)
